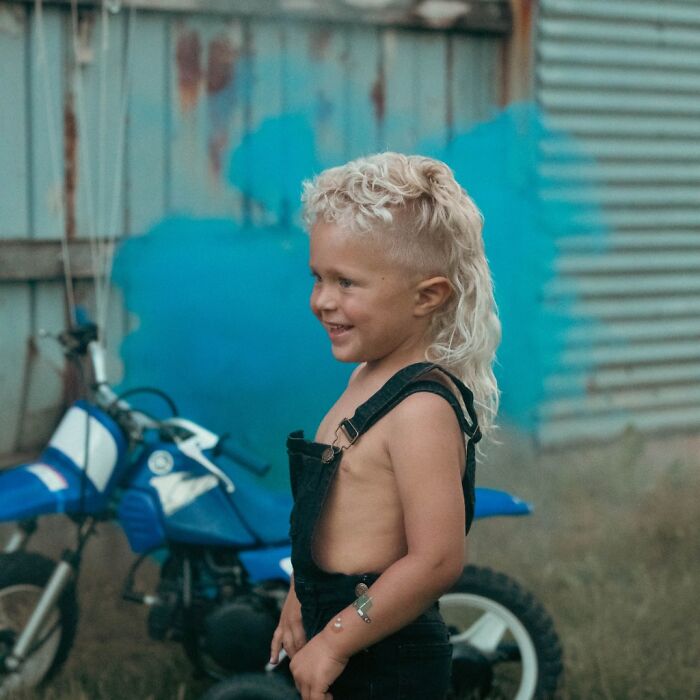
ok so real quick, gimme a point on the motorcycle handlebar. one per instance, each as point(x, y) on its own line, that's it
point(241, 456)
point(83, 339)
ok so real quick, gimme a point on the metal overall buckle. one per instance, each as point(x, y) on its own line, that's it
point(333, 449)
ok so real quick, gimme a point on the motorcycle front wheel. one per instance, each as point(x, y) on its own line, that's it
point(23, 577)
point(504, 642)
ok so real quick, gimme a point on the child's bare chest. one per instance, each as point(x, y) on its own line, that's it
point(362, 499)
point(368, 453)
point(344, 407)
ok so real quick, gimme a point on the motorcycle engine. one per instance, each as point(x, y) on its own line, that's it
point(237, 634)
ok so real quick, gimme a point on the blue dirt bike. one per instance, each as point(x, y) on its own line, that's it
point(181, 494)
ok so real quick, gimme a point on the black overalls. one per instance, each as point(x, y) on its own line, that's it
point(415, 661)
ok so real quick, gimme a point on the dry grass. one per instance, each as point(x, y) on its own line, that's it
point(612, 552)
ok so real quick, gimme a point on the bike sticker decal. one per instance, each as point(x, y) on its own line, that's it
point(52, 479)
point(161, 462)
point(70, 438)
point(177, 490)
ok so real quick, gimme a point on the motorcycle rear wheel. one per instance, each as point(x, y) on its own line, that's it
point(504, 642)
point(252, 686)
point(23, 577)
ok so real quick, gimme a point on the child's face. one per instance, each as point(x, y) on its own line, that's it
point(365, 304)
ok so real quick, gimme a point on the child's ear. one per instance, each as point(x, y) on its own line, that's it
point(431, 294)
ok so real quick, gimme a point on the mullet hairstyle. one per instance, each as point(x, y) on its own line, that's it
point(413, 209)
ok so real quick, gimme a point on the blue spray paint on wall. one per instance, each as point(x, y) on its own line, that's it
point(499, 164)
point(224, 321)
point(224, 327)
point(284, 153)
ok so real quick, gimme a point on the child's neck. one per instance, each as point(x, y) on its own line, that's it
point(385, 367)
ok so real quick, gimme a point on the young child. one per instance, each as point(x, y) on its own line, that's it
point(384, 494)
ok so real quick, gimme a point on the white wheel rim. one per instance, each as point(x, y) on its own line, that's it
point(488, 630)
point(16, 604)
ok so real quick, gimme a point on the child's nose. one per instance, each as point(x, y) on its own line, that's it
point(323, 298)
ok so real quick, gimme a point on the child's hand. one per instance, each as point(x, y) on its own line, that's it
point(315, 667)
point(290, 630)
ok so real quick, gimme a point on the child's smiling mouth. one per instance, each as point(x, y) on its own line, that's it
point(336, 330)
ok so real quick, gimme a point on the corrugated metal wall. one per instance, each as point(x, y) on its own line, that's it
point(182, 119)
point(622, 79)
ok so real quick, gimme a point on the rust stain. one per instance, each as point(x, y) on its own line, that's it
point(71, 384)
point(524, 31)
point(218, 141)
point(220, 65)
point(378, 96)
point(221, 91)
point(188, 56)
point(319, 40)
point(527, 15)
point(516, 53)
point(70, 164)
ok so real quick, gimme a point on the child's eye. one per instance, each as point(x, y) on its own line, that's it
point(316, 276)
point(344, 282)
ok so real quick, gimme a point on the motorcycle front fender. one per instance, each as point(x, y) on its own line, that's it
point(491, 503)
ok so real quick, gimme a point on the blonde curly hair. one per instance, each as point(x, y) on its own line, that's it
point(413, 207)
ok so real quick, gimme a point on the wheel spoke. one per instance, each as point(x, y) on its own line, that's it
point(494, 632)
point(485, 634)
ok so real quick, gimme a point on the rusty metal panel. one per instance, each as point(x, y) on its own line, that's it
point(483, 16)
point(266, 202)
point(430, 86)
point(94, 113)
point(45, 54)
point(365, 105)
point(225, 113)
point(403, 88)
point(316, 85)
point(45, 373)
point(205, 112)
point(15, 216)
point(15, 353)
point(13, 120)
point(26, 259)
point(621, 80)
point(148, 133)
point(476, 75)
point(60, 143)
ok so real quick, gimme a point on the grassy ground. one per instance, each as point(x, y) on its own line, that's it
point(612, 552)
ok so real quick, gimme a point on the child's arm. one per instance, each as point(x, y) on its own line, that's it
point(426, 449)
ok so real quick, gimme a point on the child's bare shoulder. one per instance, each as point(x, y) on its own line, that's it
point(426, 422)
point(425, 412)
point(426, 452)
point(427, 406)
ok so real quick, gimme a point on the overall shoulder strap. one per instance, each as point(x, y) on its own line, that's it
point(467, 395)
point(403, 384)
point(406, 382)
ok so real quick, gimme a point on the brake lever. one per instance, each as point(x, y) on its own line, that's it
point(190, 448)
